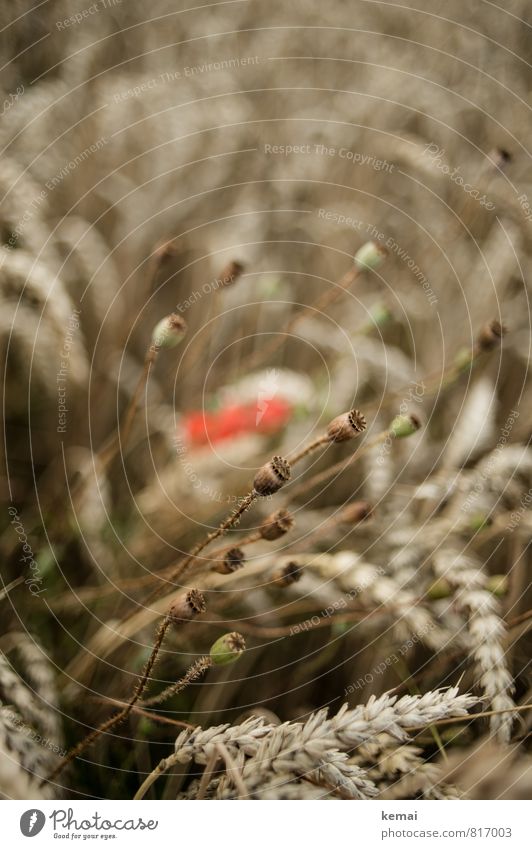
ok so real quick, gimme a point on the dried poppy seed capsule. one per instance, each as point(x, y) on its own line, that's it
point(231, 273)
point(187, 607)
point(169, 331)
point(356, 512)
point(277, 525)
point(405, 425)
point(233, 560)
point(272, 476)
point(490, 335)
point(347, 426)
point(370, 255)
point(500, 157)
point(227, 649)
point(287, 575)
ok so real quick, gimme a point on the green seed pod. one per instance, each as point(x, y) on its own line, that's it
point(403, 426)
point(379, 315)
point(169, 331)
point(369, 256)
point(227, 649)
point(463, 359)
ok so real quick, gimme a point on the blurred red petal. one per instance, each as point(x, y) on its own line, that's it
point(265, 417)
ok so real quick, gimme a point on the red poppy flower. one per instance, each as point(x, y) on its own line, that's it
point(264, 417)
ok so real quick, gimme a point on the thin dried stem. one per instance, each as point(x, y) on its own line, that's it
point(435, 381)
point(337, 468)
point(309, 449)
point(214, 556)
point(151, 356)
point(247, 540)
point(149, 714)
point(232, 520)
point(161, 767)
point(232, 770)
point(198, 668)
point(207, 773)
point(219, 751)
point(176, 572)
point(119, 442)
point(471, 716)
point(320, 304)
point(220, 553)
point(119, 717)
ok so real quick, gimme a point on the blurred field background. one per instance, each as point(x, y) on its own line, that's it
point(145, 148)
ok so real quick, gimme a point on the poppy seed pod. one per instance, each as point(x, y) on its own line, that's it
point(277, 524)
point(231, 273)
point(187, 607)
point(490, 335)
point(272, 476)
point(169, 331)
point(500, 157)
point(356, 512)
point(370, 255)
point(233, 560)
point(227, 649)
point(165, 250)
point(403, 426)
point(287, 575)
point(347, 426)
point(379, 315)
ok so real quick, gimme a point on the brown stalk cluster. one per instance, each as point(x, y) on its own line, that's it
point(268, 481)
